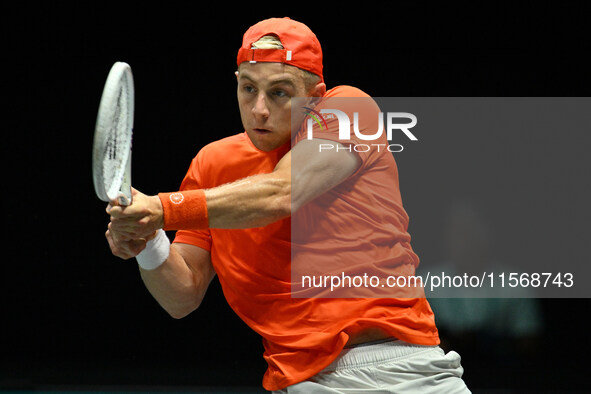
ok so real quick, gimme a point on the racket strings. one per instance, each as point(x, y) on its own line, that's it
point(112, 143)
point(116, 149)
point(112, 138)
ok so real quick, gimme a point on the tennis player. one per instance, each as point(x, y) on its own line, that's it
point(233, 218)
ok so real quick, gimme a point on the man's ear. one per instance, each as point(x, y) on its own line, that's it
point(317, 94)
point(319, 90)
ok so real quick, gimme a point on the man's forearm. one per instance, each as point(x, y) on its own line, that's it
point(177, 288)
point(250, 202)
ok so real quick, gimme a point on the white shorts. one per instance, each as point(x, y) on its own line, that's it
point(387, 367)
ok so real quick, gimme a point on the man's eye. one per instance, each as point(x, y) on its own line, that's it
point(279, 93)
point(248, 89)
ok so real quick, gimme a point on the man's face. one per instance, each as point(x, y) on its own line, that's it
point(264, 97)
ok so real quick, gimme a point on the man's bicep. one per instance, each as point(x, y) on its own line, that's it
point(315, 171)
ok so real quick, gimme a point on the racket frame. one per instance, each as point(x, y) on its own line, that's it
point(119, 80)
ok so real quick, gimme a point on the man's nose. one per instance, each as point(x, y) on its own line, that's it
point(260, 108)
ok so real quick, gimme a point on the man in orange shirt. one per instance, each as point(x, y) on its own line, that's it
point(257, 207)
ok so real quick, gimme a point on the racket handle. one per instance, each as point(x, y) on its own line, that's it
point(124, 195)
point(123, 200)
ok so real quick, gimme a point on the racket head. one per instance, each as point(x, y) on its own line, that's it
point(111, 156)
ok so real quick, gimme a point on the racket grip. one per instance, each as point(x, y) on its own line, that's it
point(123, 200)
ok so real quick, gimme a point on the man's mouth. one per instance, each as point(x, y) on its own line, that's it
point(261, 131)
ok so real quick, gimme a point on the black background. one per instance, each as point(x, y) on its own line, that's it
point(72, 314)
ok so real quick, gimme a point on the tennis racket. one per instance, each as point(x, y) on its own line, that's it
point(111, 152)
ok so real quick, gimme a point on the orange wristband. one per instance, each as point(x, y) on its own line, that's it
point(186, 210)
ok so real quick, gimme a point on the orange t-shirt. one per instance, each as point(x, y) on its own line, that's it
point(303, 335)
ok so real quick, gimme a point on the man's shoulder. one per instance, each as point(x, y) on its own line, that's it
point(236, 144)
point(236, 140)
point(345, 91)
point(219, 157)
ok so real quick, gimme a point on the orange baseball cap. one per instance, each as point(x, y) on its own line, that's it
point(301, 47)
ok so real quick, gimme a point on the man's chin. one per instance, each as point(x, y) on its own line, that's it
point(264, 140)
point(260, 143)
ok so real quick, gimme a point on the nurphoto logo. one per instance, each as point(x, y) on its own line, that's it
point(344, 124)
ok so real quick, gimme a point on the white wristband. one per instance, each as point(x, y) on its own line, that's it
point(155, 253)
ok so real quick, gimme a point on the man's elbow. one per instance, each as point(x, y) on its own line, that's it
point(177, 314)
point(180, 311)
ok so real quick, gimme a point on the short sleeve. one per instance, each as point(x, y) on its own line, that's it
point(363, 115)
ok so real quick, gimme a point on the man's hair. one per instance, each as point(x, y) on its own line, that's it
point(273, 42)
point(267, 42)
